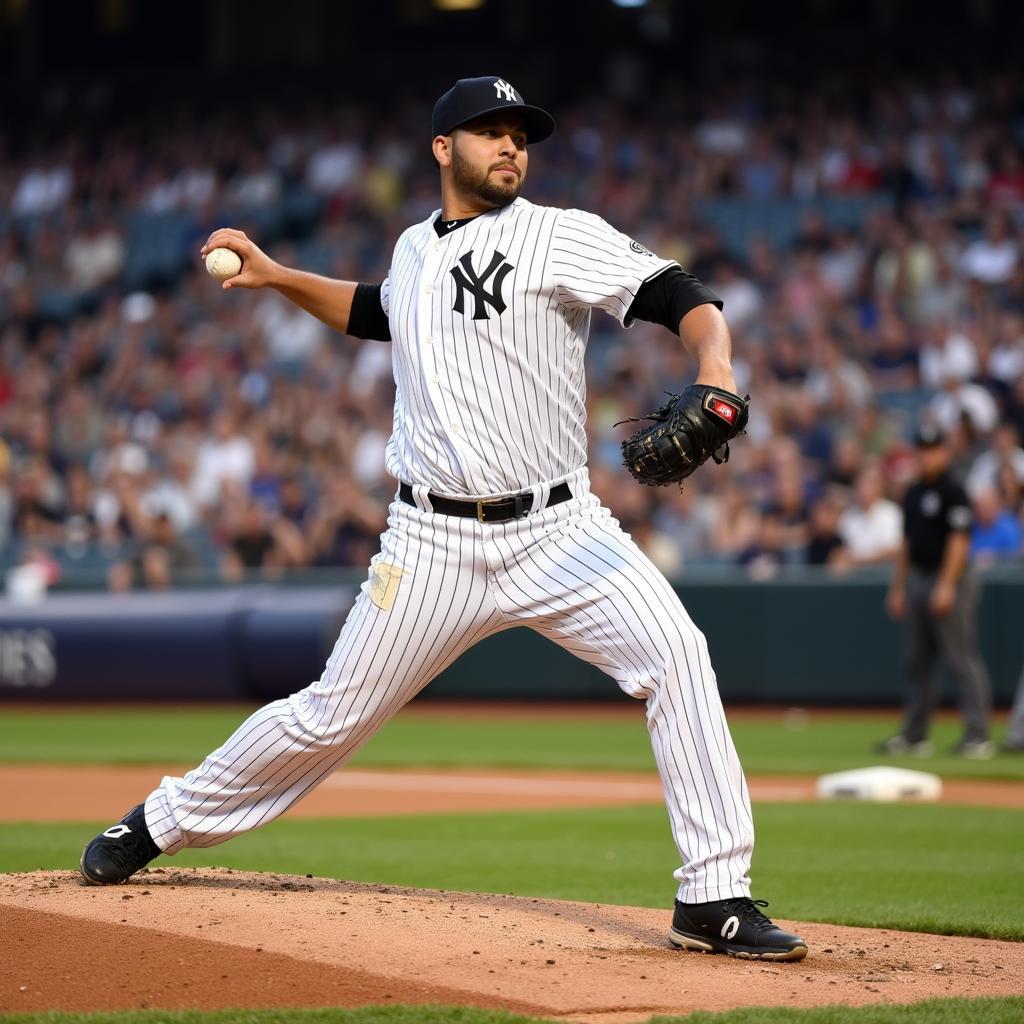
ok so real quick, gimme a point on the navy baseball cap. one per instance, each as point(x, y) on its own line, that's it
point(929, 436)
point(470, 98)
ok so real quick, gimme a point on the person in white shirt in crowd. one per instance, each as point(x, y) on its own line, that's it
point(948, 351)
point(1005, 451)
point(871, 528)
point(741, 296)
point(1005, 358)
point(256, 184)
point(225, 457)
point(961, 398)
point(835, 383)
point(95, 255)
point(292, 337)
point(992, 258)
point(43, 188)
point(843, 264)
point(168, 491)
point(334, 165)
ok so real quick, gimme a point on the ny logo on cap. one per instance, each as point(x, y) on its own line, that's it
point(466, 278)
point(502, 88)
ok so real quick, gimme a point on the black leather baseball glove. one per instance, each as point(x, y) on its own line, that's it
point(686, 431)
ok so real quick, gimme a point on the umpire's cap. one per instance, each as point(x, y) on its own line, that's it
point(470, 98)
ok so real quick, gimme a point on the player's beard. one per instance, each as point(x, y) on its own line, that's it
point(472, 181)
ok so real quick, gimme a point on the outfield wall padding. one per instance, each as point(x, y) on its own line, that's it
point(219, 645)
point(785, 641)
point(794, 641)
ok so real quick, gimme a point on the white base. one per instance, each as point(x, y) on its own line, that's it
point(881, 784)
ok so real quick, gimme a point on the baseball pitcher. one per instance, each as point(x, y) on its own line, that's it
point(487, 307)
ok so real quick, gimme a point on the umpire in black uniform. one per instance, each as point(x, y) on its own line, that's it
point(936, 594)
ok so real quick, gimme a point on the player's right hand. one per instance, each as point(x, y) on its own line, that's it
point(896, 602)
point(258, 269)
point(942, 599)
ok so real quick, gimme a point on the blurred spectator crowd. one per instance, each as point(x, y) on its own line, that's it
point(867, 241)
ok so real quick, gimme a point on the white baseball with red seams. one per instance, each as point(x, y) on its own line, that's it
point(489, 323)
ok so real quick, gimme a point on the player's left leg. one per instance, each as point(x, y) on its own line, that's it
point(575, 576)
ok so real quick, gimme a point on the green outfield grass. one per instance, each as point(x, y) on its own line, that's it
point(544, 738)
point(953, 870)
point(931, 1011)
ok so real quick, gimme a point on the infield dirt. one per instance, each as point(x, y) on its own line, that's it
point(60, 792)
point(214, 938)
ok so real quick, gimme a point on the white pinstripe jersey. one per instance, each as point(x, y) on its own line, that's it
point(489, 325)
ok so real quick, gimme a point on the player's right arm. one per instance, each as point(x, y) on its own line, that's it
point(329, 300)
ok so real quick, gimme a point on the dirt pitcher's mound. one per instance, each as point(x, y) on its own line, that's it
point(214, 938)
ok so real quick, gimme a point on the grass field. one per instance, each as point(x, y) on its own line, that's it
point(943, 869)
point(768, 743)
point(931, 1011)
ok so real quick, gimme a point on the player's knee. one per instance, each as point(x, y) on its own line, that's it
point(638, 685)
point(659, 669)
point(314, 724)
point(683, 665)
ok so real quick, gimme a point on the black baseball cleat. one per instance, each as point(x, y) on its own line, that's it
point(734, 927)
point(116, 854)
point(899, 745)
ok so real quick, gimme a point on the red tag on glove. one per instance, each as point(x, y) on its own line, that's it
point(721, 408)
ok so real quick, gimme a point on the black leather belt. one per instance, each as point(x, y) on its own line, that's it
point(489, 510)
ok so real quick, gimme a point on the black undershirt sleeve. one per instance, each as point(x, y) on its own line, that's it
point(667, 298)
point(367, 318)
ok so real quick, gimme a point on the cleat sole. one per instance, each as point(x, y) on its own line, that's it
point(691, 942)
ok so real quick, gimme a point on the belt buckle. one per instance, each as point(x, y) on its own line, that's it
point(480, 507)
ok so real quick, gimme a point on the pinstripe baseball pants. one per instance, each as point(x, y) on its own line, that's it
point(440, 584)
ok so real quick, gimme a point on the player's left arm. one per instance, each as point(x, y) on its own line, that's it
point(698, 424)
point(595, 265)
point(687, 307)
point(705, 334)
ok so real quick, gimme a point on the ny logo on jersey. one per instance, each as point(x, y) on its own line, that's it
point(466, 279)
point(502, 88)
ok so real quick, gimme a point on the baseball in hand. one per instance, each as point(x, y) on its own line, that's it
point(223, 263)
